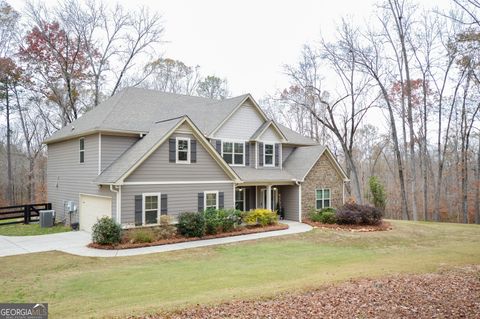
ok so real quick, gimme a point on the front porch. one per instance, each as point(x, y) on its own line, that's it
point(282, 198)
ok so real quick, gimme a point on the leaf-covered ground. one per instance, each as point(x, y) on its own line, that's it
point(448, 294)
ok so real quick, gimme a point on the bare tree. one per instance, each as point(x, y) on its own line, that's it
point(213, 87)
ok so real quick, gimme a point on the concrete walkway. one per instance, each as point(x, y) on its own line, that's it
point(76, 243)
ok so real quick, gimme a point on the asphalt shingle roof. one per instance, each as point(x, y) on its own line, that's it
point(250, 174)
point(301, 160)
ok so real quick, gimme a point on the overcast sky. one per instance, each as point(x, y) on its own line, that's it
point(248, 41)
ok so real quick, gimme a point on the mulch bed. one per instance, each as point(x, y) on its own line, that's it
point(447, 294)
point(383, 226)
point(236, 232)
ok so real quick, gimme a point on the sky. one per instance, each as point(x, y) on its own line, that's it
point(247, 41)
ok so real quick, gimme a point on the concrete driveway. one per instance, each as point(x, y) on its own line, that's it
point(76, 242)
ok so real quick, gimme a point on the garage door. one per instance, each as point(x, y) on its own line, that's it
point(92, 208)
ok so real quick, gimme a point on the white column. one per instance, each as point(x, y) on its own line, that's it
point(269, 197)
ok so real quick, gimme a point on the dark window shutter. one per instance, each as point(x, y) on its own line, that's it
point(221, 200)
point(164, 204)
point(171, 150)
point(138, 210)
point(247, 154)
point(218, 146)
point(200, 202)
point(260, 154)
point(246, 199)
point(193, 151)
point(277, 154)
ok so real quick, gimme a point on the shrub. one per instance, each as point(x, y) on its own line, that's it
point(324, 216)
point(229, 218)
point(165, 220)
point(378, 193)
point(165, 232)
point(262, 217)
point(212, 221)
point(191, 224)
point(106, 232)
point(355, 214)
point(141, 235)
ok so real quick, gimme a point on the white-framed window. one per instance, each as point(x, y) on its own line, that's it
point(182, 150)
point(233, 152)
point(151, 208)
point(323, 198)
point(81, 149)
point(268, 154)
point(240, 199)
point(210, 199)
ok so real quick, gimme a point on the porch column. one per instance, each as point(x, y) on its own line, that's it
point(269, 197)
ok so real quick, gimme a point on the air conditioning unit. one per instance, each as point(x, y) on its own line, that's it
point(47, 218)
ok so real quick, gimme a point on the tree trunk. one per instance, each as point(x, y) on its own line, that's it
point(9, 150)
point(477, 186)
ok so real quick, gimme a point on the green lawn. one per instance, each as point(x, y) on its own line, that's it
point(96, 287)
point(30, 229)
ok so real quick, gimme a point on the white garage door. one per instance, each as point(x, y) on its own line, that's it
point(93, 207)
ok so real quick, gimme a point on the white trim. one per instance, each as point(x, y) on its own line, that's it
point(280, 156)
point(205, 199)
point(300, 202)
point(233, 141)
point(273, 154)
point(99, 153)
point(323, 199)
point(159, 198)
point(94, 195)
point(179, 138)
point(283, 138)
point(177, 182)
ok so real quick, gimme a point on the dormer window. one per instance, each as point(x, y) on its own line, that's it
point(269, 154)
point(82, 149)
point(183, 150)
point(234, 153)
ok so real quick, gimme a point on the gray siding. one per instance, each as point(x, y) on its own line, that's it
point(67, 177)
point(181, 198)
point(270, 135)
point(158, 168)
point(289, 197)
point(114, 146)
point(242, 124)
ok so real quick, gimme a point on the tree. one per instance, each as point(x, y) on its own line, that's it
point(378, 193)
point(169, 75)
point(213, 87)
point(58, 66)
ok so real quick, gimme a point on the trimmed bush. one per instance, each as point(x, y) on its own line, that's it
point(324, 216)
point(212, 221)
point(228, 219)
point(165, 232)
point(191, 224)
point(106, 232)
point(355, 214)
point(262, 217)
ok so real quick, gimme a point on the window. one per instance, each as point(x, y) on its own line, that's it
point(240, 199)
point(151, 208)
point(183, 150)
point(323, 198)
point(211, 200)
point(269, 155)
point(82, 150)
point(234, 153)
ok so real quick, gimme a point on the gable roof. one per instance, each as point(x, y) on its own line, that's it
point(126, 163)
point(264, 127)
point(302, 160)
point(295, 137)
point(147, 107)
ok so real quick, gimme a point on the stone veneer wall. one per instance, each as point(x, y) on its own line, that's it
point(322, 175)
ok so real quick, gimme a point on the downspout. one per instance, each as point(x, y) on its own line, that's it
point(118, 198)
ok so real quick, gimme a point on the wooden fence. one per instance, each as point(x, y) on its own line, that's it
point(22, 213)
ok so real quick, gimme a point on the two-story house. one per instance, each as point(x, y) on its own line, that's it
point(142, 154)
